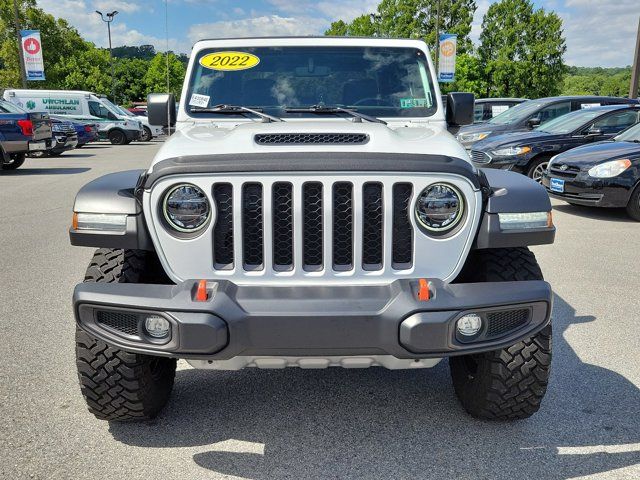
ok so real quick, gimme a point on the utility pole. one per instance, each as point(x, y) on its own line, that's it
point(437, 46)
point(635, 71)
point(108, 21)
point(16, 18)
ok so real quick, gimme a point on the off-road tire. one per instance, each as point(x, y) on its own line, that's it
point(117, 137)
point(633, 207)
point(115, 384)
point(146, 135)
point(509, 383)
point(17, 161)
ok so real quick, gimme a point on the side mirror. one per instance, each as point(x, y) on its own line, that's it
point(459, 109)
point(533, 122)
point(594, 131)
point(161, 109)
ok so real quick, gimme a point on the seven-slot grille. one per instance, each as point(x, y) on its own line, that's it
point(337, 225)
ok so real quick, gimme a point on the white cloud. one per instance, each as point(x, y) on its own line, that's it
point(82, 16)
point(600, 33)
point(118, 5)
point(267, 25)
point(476, 25)
point(345, 10)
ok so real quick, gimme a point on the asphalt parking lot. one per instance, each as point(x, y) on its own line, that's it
point(322, 424)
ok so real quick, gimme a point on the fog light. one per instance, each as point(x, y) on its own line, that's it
point(156, 326)
point(469, 325)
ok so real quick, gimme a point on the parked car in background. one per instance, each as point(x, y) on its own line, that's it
point(487, 108)
point(603, 174)
point(530, 114)
point(86, 131)
point(64, 138)
point(148, 131)
point(80, 105)
point(21, 132)
point(530, 152)
point(138, 111)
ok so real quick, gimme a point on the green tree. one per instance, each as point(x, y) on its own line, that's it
point(130, 85)
point(60, 42)
point(597, 81)
point(468, 76)
point(156, 77)
point(413, 19)
point(521, 50)
point(88, 69)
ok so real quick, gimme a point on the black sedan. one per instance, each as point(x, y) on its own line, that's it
point(530, 114)
point(603, 174)
point(530, 152)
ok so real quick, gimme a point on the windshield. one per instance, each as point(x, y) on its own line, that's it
point(7, 107)
point(114, 108)
point(631, 134)
point(378, 81)
point(124, 111)
point(517, 113)
point(569, 122)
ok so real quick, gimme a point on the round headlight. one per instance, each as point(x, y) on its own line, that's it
point(186, 208)
point(439, 207)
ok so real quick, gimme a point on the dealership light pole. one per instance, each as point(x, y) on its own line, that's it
point(108, 21)
point(635, 71)
point(23, 74)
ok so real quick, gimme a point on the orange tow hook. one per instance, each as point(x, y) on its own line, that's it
point(201, 292)
point(423, 290)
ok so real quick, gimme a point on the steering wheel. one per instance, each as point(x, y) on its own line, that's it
point(372, 101)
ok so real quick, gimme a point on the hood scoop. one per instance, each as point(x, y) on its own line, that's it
point(311, 138)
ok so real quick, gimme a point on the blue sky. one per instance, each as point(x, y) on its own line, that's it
point(598, 32)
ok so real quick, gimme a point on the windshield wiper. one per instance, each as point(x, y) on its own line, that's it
point(237, 109)
point(326, 109)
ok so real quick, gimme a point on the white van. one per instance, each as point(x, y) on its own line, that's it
point(80, 105)
point(148, 131)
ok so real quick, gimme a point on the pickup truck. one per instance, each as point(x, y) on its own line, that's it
point(21, 132)
point(312, 210)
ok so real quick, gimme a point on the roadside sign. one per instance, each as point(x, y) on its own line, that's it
point(447, 57)
point(32, 53)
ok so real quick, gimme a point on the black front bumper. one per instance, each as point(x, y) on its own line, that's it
point(582, 189)
point(312, 321)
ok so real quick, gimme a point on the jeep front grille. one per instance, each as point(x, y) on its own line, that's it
point(312, 228)
point(342, 217)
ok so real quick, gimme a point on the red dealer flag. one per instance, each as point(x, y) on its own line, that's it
point(32, 52)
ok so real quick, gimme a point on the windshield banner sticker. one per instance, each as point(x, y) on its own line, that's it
point(414, 103)
point(229, 61)
point(198, 100)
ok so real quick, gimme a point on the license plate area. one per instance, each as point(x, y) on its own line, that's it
point(556, 185)
point(37, 146)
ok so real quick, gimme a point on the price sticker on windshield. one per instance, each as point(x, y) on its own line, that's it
point(229, 61)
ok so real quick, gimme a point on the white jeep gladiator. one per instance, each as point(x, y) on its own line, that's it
point(312, 209)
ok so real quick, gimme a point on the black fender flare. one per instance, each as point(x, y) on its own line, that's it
point(115, 193)
point(510, 192)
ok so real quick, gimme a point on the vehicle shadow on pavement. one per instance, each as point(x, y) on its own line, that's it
point(377, 423)
point(25, 171)
point(595, 213)
point(78, 155)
